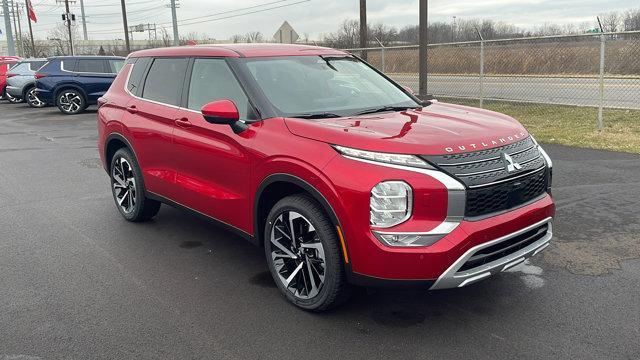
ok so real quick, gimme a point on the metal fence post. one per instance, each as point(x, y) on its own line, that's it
point(602, 68)
point(384, 64)
point(482, 74)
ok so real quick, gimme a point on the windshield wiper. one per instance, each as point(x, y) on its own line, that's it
point(322, 115)
point(385, 108)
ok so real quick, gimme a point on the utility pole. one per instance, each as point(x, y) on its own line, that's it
point(424, 32)
point(84, 21)
point(15, 25)
point(68, 21)
point(126, 26)
point(363, 27)
point(20, 43)
point(174, 16)
point(33, 43)
point(11, 50)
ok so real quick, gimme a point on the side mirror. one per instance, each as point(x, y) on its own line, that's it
point(224, 112)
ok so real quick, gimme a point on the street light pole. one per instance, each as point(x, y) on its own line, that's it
point(84, 21)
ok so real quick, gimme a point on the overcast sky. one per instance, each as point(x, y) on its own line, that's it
point(314, 17)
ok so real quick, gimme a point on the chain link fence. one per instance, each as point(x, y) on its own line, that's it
point(593, 76)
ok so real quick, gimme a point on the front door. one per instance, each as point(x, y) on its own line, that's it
point(212, 162)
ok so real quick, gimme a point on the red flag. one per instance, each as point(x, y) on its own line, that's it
point(32, 14)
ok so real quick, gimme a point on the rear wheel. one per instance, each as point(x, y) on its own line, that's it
point(304, 256)
point(32, 98)
point(128, 189)
point(71, 102)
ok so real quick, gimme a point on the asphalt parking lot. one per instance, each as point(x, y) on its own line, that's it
point(78, 282)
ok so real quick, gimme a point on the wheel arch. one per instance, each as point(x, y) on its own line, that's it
point(66, 86)
point(113, 143)
point(277, 186)
point(26, 87)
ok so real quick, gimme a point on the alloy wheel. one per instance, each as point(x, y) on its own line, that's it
point(124, 185)
point(298, 255)
point(12, 99)
point(33, 99)
point(70, 102)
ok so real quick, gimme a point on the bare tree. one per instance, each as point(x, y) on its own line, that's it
point(237, 38)
point(632, 20)
point(59, 36)
point(254, 37)
point(165, 38)
point(611, 21)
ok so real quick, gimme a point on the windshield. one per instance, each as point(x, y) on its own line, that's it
point(314, 86)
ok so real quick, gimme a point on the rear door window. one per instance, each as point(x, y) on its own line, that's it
point(115, 65)
point(165, 80)
point(91, 66)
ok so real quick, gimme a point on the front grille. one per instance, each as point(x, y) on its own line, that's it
point(505, 248)
point(491, 188)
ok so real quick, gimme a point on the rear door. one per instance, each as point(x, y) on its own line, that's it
point(95, 76)
point(150, 118)
point(212, 162)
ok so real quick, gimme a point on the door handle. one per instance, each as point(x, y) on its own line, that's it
point(183, 123)
point(132, 109)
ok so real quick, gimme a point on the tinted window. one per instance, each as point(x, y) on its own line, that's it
point(90, 66)
point(115, 65)
point(211, 80)
point(19, 68)
point(135, 78)
point(164, 80)
point(35, 65)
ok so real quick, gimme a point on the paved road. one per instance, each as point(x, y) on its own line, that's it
point(619, 93)
point(78, 282)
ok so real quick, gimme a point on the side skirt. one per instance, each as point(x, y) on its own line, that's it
point(215, 221)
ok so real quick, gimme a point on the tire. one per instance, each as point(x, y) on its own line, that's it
point(71, 102)
point(316, 245)
point(13, 100)
point(32, 98)
point(127, 187)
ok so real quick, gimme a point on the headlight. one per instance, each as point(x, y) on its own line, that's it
point(397, 159)
point(390, 204)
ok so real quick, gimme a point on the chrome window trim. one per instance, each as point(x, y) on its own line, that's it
point(456, 199)
point(126, 90)
point(82, 72)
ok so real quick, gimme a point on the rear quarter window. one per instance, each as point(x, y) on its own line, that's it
point(140, 65)
point(91, 66)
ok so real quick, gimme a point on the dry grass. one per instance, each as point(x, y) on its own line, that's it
point(520, 58)
point(572, 125)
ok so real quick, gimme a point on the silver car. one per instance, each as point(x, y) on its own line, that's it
point(21, 82)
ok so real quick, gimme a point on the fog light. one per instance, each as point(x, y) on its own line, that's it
point(390, 204)
point(406, 240)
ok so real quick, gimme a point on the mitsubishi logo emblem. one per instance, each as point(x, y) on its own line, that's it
point(509, 164)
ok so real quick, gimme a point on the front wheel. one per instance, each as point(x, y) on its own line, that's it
point(12, 99)
point(304, 256)
point(71, 102)
point(128, 189)
point(33, 100)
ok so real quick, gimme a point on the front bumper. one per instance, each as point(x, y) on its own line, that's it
point(515, 248)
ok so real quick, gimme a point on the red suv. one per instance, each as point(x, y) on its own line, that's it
point(342, 175)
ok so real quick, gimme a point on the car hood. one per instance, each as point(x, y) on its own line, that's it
point(434, 130)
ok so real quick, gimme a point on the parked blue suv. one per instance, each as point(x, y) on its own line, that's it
point(74, 82)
